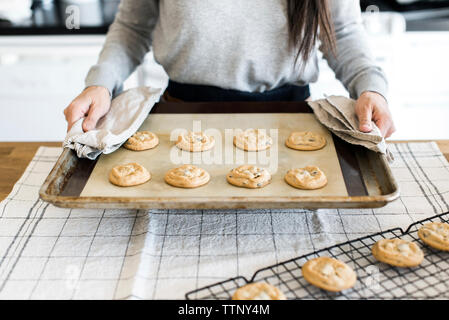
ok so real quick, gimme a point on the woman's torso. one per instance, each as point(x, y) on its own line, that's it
point(240, 45)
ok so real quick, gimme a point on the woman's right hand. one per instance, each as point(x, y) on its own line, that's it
point(93, 103)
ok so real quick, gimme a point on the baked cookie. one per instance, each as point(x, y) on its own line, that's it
point(195, 142)
point(187, 176)
point(127, 175)
point(397, 252)
point(248, 176)
point(308, 178)
point(258, 291)
point(253, 140)
point(305, 141)
point(142, 140)
point(436, 235)
point(329, 274)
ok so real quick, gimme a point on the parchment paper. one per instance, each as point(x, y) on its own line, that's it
point(158, 160)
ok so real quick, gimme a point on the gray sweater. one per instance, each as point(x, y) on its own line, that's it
point(232, 44)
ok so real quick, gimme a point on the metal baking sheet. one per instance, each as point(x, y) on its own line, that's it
point(357, 177)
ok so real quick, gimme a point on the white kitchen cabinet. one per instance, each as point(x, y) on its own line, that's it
point(41, 75)
point(417, 68)
point(421, 93)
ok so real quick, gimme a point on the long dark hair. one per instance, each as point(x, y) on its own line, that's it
point(308, 21)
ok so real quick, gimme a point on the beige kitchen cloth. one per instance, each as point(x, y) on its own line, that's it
point(128, 111)
point(337, 113)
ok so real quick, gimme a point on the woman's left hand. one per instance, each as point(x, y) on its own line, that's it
point(372, 106)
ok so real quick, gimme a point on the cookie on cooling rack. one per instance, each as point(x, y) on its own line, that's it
point(398, 253)
point(436, 235)
point(329, 274)
point(258, 291)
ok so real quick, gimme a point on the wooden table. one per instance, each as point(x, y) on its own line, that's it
point(15, 156)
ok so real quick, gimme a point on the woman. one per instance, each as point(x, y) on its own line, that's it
point(238, 51)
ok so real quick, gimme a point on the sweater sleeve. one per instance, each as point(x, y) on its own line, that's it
point(127, 42)
point(353, 64)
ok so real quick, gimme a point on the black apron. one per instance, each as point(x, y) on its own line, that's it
point(201, 93)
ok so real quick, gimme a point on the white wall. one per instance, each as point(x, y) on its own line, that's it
point(417, 67)
point(40, 76)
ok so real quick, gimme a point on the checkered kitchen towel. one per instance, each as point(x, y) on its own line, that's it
point(48, 252)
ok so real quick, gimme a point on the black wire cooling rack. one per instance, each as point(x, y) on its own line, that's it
point(375, 280)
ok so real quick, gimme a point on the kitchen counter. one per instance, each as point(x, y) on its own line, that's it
point(15, 156)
